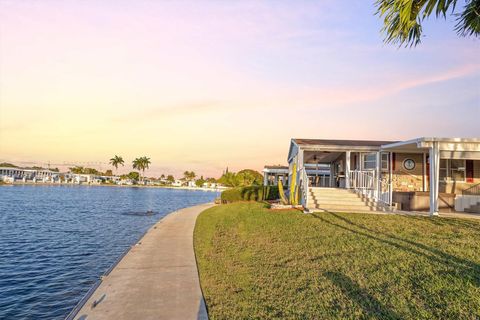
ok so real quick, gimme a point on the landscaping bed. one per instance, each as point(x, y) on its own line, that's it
point(255, 263)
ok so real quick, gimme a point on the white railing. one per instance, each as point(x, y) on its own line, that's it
point(369, 185)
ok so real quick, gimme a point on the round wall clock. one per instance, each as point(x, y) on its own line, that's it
point(409, 164)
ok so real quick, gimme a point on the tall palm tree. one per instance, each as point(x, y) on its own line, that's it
point(403, 18)
point(116, 161)
point(141, 164)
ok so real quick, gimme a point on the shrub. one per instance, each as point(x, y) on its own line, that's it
point(251, 193)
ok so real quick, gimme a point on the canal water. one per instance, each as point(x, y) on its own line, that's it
point(56, 241)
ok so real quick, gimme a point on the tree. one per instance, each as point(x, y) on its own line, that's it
point(248, 177)
point(141, 164)
point(403, 18)
point(162, 176)
point(116, 161)
point(199, 183)
point(91, 171)
point(243, 178)
point(76, 170)
point(189, 175)
point(228, 179)
point(8, 165)
point(211, 180)
point(170, 178)
point(133, 175)
point(109, 173)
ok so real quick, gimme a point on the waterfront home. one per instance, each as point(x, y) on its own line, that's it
point(177, 183)
point(12, 174)
point(421, 174)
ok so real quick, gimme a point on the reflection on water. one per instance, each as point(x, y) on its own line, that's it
point(56, 241)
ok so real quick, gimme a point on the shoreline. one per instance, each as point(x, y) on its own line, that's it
point(106, 185)
point(156, 277)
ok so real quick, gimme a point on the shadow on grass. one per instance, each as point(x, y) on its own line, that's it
point(451, 222)
point(469, 269)
point(372, 308)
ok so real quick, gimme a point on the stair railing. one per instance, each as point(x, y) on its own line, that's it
point(367, 184)
point(472, 191)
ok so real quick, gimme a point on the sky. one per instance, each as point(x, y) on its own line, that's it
point(205, 85)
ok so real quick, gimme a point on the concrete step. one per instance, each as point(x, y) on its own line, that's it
point(353, 197)
point(343, 209)
point(347, 196)
point(338, 203)
point(329, 190)
point(333, 194)
point(473, 209)
point(340, 207)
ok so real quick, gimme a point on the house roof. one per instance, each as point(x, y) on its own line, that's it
point(329, 142)
point(275, 167)
point(334, 145)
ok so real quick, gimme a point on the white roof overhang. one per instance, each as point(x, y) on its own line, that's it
point(454, 148)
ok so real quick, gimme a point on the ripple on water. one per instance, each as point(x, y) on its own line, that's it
point(56, 241)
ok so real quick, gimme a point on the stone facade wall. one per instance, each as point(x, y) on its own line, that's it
point(407, 180)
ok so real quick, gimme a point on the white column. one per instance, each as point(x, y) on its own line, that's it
point(390, 176)
point(332, 172)
point(378, 169)
point(265, 178)
point(424, 172)
point(347, 170)
point(434, 175)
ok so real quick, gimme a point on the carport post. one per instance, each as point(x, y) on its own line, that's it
point(347, 170)
point(434, 176)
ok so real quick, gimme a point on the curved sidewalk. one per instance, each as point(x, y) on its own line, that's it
point(157, 279)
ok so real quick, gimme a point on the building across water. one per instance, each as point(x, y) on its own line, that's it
point(429, 174)
point(11, 174)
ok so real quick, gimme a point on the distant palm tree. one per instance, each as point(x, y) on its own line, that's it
point(141, 164)
point(116, 161)
point(189, 175)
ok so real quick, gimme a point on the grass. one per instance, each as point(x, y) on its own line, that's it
point(255, 263)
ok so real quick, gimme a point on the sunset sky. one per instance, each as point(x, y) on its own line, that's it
point(202, 85)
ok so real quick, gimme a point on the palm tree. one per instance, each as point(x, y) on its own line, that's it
point(141, 164)
point(115, 161)
point(403, 19)
point(189, 175)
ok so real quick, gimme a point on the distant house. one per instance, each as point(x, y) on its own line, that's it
point(419, 174)
point(272, 174)
point(177, 183)
point(12, 174)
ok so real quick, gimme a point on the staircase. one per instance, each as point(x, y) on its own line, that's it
point(339, 200)
point(473, 194)
point(474, 208)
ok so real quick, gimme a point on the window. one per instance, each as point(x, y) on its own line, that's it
point(385, 162)
point(457, 170)
point(443, 169)
point(369, 161)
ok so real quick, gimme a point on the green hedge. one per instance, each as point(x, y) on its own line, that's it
point(252, 193)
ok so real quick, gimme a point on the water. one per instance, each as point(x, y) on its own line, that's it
point(56, 241)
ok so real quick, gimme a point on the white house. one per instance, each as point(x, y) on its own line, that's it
point(418, 174)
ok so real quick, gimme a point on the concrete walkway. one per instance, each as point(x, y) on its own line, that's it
point(157, 279)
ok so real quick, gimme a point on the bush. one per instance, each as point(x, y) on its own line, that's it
point(252, 193)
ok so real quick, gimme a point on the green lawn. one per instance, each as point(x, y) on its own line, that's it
point(260, 264)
